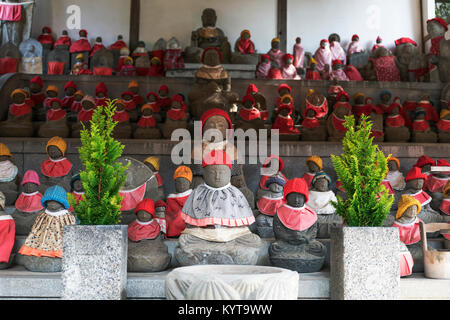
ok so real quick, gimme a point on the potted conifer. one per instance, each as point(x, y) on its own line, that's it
point(94, 262)
point(365, 257)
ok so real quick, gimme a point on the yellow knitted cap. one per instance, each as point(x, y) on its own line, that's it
point(358, 94)
point(276, 40)
point(311, 61)
point(133, 84)
point(18, 91)
point(52, 88)
point(444, 112)
point(317, 160)
point(154, 161)
point(446, 190)
point(146, 106)
point(59, 143)
point(79, 56)
point(287, 96)
point(4, 150)
point(404, 203)
point(183, 172)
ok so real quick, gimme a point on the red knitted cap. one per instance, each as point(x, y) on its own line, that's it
point(37, 80)
point(354, 37)
point(178, 98)
point(128, 92)
point(342, 93)
point(404, 41)
point(288, 56)
point(248, 97)
point(70, 84)
point(50, 102)
point(423, 161)
point(297, 185)
point(268, 160)
point(443, 163)
point(284, 86)
point(216, 112)
point(252, 89)
point(146, 205)
point(415, 173)
point(83, 30)
point(152, 94)
point(101, 88)
point(217, 157)
point(163, 87)
point(441, 21)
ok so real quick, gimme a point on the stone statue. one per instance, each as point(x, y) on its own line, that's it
point(395, 176)
point(272, 166)
point(249, 116)
point(155, 184)
point(8, 235)
point(42, 250)
point(335, 124)
point(64, 42)
point(102, 62)
point(314, 114)
point(146, 126)
point(323, 57)
point(285, 124)
point(9, 178)
point(129, 105)
point(101, 95)
point(314, 165)
point(275, 54)
point(320, 198)
point(133, 87)
point(177, 118)
point(337, 72)
point(59, 56)
point(19, 122)
point(78, 65)
point(38, 97)
point(70, 88)
point(217, 217)
point(311, 72)
point(121, 115)
point(146, 249)
point(84, 116)
point(173, 57)
point(397, 123)
point(439, 51)
point(337, 52)
point(244, 50)
point(115, 49)
point(81, 46)
point(382, 67)
point(56, 169)
point(263, 67)
point(288, 70)
point(56, 124)
point(212, 87)
point(412, 65)
point(28, 204)
point(421, 130)
point(260, 101)
point(176, 201)
point(32, 54)
point(208, 36)
point(299, 55)
point(295, 228)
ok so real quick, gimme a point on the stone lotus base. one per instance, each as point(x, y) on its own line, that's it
point(148, 256)
point(43, 264)
point(225, 282)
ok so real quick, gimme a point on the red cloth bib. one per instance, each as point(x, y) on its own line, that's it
point(85, 115)
point(8, 65)
point(81, 45)
point(20, 110)
point(445, 206)
point(38, 98)
point(388, 186)
point(67, 102)
point(63, 41)
point(308, 177)
point(55, 68)
point(176, 114)
point(269, 206)
point(175, 223)
point(395, 121)
point(285, 125)
point(76, 106)
point(96, 48)
point(435, 184)
point(359, 110)
point(311, 123)
point(164, 102)
point(103, 71)
point(56, 169)
point(249, 115)
point(435, 49)
point(338, 124)
point(131, 198)
point(444, 125)
point(101, 102)
point(46, 39)
point(129, 105)
point(420, 125)
point(353, 73)
point(156, 71)
point(138, 231)
point(55, 115)
point(312, 75)
point(29, 202)
point(386, 69)
point(409, 234)
point(422, 197)
point(7, 237)
point(298, 219)
point(321, 111)
point(138, 100)
point(264, 115)
point(431, 113)
point(147, 122)
point(121, 116)
point(246, 46)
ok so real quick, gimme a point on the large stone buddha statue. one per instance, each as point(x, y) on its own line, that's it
point(208, 36)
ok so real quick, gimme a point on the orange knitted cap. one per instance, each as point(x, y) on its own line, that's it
point(59, 143)
point(52, 88)
point(4, 150)
point(19, 91)
point(183, 172)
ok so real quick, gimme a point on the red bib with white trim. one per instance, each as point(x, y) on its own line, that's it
point(435, 184)
point(175, 223)
point(444, 125)
point(409, 234)
point(20, 110)
point(138, 231)
point(29, 202)
point(147, 122)
point(56, 169)
point(269, 206)
point(445, 206)
point(395, 121)
point(298, 219)
point(55, 115)
point(85, 115)
point(249, 115)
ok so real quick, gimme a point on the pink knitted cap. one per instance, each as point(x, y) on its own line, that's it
point(31, 176)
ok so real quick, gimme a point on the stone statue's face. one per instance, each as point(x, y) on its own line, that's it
point(296, 200)
point(98, 39)
point(321, 185)
point(100, 95)
point(265, 60)
point(324, 44)
point(135, 90)
point(175, 105)
point(147, 112)
point(385, 98)
point(311, 113)
point(163, 93)
point(275, 45)
point(341, 112)
point(218, 123)
point(298, 40)
point(56, 105)
point(410, 213)
point(65, 33)
point(18, 98)
point(288, 61)
point(246, 36)
point(382, 52)
point(435, 29)
point(144, 216)
point(359, 100)
point(212, 58)
point(78, 186)
point(151, 99)
point(52, 94)
point(30, 187)
point(392, 165)
point(120, 107)
point(129, 63)
point(404, 54)
point(217, 176)
point(284, 112)
point(415, 184)
point(127, 97)
point(70, 91)
point(87, 105)
point(160, 212)
point(313, 66)
point(276, 188)
point(209, 18)
point(54, 152)
point(182, 185)
point(35, 88)
point(337, 66)
point(54, 206)
point(395, 111)
point(78, 97)
point(83, 34)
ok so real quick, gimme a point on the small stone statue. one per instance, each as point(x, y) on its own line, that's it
point(355, 46)
point(397, 123)
point(97, 46)
point(382, 67)
point(70, 89)
point(19, 122)
point(81, 45)
point(56, 170)
point(249, 115)
point(156, 68)
point(38, 97)
point(311, 72)
point(445, 203)
point(140, 51)
point(175, 202)
point(155, 185)
point(288, 69)
point(320, 198)
point(268, 205)
point(263, 67)
point(425, 163)
point(133, 87)
point(146, 249)
point(275, 54)
point(124, 54)
point(28, 204)
point(376, 116)
point(9, 178)
point(323, 57)
point(337, 52)
point(315, 114)
point(244, 50)
point(78, 65)
point(272, 166)
point(285, 124)
point(164, 100)
point(395, 176)
point(119, 44)
point(147, 128)
point(64, 41)
point(177, 118)
point(46, 38)
point(51, 93)
point(160, 215)
point(260, 101)
point(42, 250)
point(217, 217)
point(443, 126)
point(77, 98)
point(295, 228)
point(101, 95)
point(56, 124)
point(335, 125)
point(437, 27)
point(152, 100)
point(173, 57)
point(407, 222)
point(84, 116)
point(299, 54)
point(360, 107)
point(130, 105)
point(312, 130)
point(337, 72)
point(121, 115)
point(77, 189)
point(7, 234)
point(421, 130)
point(315, 165)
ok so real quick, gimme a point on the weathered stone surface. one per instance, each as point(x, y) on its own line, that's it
point(231, 283)
point(148, 256)
point(44, 264)
point(365, 264)
point(94, 262)
point(24, 222)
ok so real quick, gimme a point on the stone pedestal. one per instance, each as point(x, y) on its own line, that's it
point(94, 263)
point(225, 282)
point(365, 263)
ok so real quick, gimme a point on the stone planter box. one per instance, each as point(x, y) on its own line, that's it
point(365, 263)
point(94, 262)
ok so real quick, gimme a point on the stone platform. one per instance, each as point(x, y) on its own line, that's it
point(236, 71)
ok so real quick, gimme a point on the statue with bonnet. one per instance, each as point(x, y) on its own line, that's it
point(9, 177)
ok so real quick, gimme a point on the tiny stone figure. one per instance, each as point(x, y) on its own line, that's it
point(124, 54)
point(397, 123)
point(51, 92)
point(311, 72)
point(275, 54)
point(77, 189)
point(156, 68)
point(9, 178)
point(323, 56)
point(133, 87)
point(395, 176)
point(263, 67)
point(70, 89)
point(295, 228)
point(260, 101)
point(355, 46)
point(81, 45)
point(283, 90)
point(97, 46)
point(154, 191)
point(445, 204)
point(7, 234)
point(320, 198)
point(379, 44)
point(268, 205)
point(56, 124)
point(376, 116)
point(121, 115)
point(315, 165)
point(217, 216)
point(249, 115)
point(407, 222)
point(285, 124)
point(147, 124)
point(160, 215)
point(146, 249)
point(46, 38)
point(337, 72)
point(239, 182)
point(337, 52)
point(130, 105)
point(335, 125)
point(244, 45)
point(175, 202)
point(437, 27)
point(152, 100)
point(312, 129)
point(385, 100)
point(164, 99)
point(177, 118)
point(360, 107)
point(353, 73)
point(56, 170)
point(19, 122)
point(42, 250)
point(288, 70)
point(28, 204)
point(272, 166)
point(64, 41)
point(38, 97)
point(430, 110)
point(128, 69)
point(84, 116)
point(79, 64)
point(299, 54)
point(443, 126)
point(77, 98)
point(333, 91)
point(101, 95)
point(421, 130)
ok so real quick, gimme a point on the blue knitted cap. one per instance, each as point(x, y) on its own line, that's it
point(321, 174)
point(275, 179)
point(382, 93)
point(55, 193)
point(74, 178)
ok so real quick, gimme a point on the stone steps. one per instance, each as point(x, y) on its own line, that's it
point(17, 283)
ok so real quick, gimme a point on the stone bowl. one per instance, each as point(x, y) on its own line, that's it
point(232, 282)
